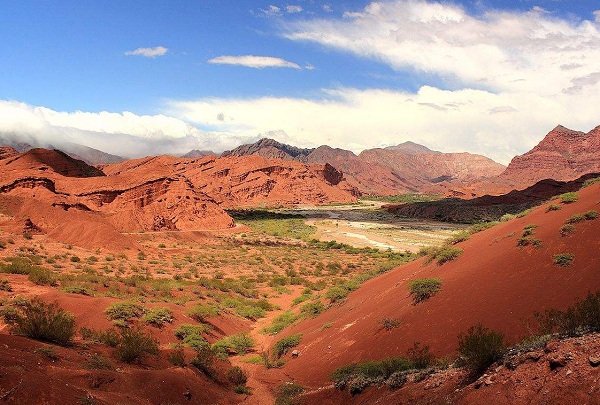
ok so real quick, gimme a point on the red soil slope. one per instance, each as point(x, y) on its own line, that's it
point(493, 282)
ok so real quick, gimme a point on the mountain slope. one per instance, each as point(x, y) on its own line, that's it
point(494, 281)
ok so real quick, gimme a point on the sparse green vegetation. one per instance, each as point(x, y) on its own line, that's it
point(583, 317)
point(441, 254)
point(589, 182)
point(404, 198)
point(287, 393)
point(423, 289)
point(191, 335)
point(46, 322)
point(158, 316)
point(98, 362)
point(575, 218)
point(567, 230)
point(389, 323)
point(284, 345)
point(239, 344)
point(480, 347)
point(553, 207)
point(312, 309)
point(281, 322)
point(536, 243)
point(590, 215)
point(124, 311)
point(568, 198)
point(563, 259)
point(134, 344)
point(201, 312)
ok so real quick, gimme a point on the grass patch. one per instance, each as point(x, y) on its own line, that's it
point(280, 323)
point(568, 198)
point(424, 288)
point(404, 198)
point(158, 316)
point(563, 259)
point(240, 344)
point(480, 347)
point(45, 322)
point(284, 345)
point(441, 254)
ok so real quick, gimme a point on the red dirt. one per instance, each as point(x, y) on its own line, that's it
point(493, 282)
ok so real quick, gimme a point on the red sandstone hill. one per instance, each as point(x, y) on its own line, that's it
point(407, 167)
point(494, 282)
point(68, 199)
point(562, 155)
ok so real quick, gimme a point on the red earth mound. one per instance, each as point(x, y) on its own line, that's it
point(494, 282)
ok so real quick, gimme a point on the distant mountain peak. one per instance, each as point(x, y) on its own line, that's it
point(411, 148)
point(270, 148)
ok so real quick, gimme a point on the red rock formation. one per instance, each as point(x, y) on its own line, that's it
point(562, 155)
point(407, 167)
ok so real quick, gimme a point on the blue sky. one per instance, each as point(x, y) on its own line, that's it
point(80, 56)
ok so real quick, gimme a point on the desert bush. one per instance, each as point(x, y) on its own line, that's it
point(280, 322)
point(536, 243)
point(5, 285)
point(41, 276)
point(582, 317)
point(529, 230)
point(312, 309)
point(337, 293)
point(568, 198)
point(480, 347)
point(237, 376)
point(590, 215)
point(460, 237)
point(358, 376)
point(75, 259)
point(124, 311)
point(566, 230)
point(134, 344)
point(204, 360)
point(424, 288)
point(389, 324)
point(419, 356)
point(563, 259)
point(553, 207)
point(176, 357)
point(396, 380)
point(158, 316)
point(589, 182)
point(98, 362)
point(287, 393)
point(575, 218)
point(48, 352)
point(507, 217)
point(46, 322)
point(284, 345)
point(77, 289)
point(241, 343)
point(442, 254)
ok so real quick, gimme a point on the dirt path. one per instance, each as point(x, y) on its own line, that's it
point(261, 389)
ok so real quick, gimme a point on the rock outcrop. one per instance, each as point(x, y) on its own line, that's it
point(562, 155)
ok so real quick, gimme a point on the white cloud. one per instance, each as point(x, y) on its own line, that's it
point(272, 11)
point(461, 120)
point(148, 52)
point(257, 62)
point(309, 66)
point(293, 9)
point(498, 51)
point(597, 15)
point(327, 8)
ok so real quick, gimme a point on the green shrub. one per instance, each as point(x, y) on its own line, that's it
point(529, 230)
point(419, 356)
point(158, 316)
point(75, 259)
point(98, 362)
point(460, 237)
point(424, 288)
point(568, 198)
point(134, 344)
point(237, 376)
point(312, 309)
point(536, 243)
point(480, 347)
point(201, 312)
point(176, 357)
point(358, 376)
point(589, 182)
point(46, 322)
point(590, 215)
point(567, 230)
point(124, 311)
point(442, 254)
point(204, 360)
point(241, 343)
point(191, 335)
point(553, 207)
point(336, 294)
point(584, 316)
point(5, 285)
point(41, 276)
point(507, 217)
point(110, 337)
point(287, 393)
point(575, 218)
point(280, 322)
point(282, 346)
point(563, 259)
point(76, 289)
